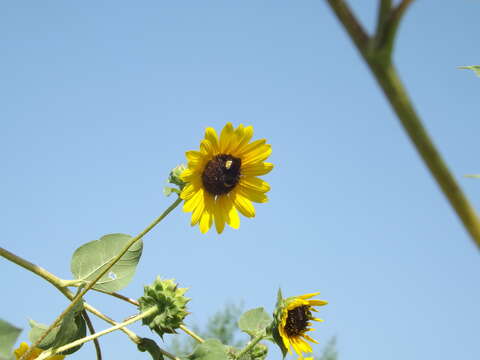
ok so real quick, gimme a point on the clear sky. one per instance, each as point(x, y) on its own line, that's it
point(99, 100)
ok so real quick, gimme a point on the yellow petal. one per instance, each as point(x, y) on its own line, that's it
point(194, 156)
point(243, 205)
point(219, 215)
point(225, 138)
point(211, 136)
point(207, 215)
point(254, 183)
point(206, 148)
point(247, 135)
point(258, 155)
point(193, 202)
point(308, 296)
point(317, 302)
point(251, 147)
point(233, 220)
point(256, 169)
point(310, 339)
point(197, 213)
point(188, 175)
point(188, 191)
point(252, 195)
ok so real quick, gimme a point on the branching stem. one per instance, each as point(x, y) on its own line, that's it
point(378, 58)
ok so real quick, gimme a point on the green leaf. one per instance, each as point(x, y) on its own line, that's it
point(152, 348)
point(91, 258)
point(71, 328)
point(254, 322)
point(477, 176)
point(211, 349)
point(8, 337)
point(475, 68)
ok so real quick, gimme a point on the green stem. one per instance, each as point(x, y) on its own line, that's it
point(81, 341)
point(101, 274)
point(52, 279)
point(251, 344)
point(387, 77)
point(191, 333)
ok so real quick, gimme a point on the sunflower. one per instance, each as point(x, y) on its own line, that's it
point(221, 178)
point(294, 322)
point(34, 354)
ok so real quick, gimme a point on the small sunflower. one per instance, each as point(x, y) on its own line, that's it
point(34, 354)
point(294, 316)
point(221, 178)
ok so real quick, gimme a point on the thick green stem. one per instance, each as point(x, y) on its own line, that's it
point(387, 77)
point(102, 273)
point(251, 344)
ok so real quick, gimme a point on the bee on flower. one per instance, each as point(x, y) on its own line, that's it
point(222, 177)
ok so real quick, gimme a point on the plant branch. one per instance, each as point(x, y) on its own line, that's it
point(57, 282)
point(81, 341)
point(191, 333)
point(101, 274)
point(393, 89)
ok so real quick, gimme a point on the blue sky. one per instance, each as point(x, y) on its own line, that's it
point(101, 100)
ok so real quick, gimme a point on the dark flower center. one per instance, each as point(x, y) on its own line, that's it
point(297, 320)
point(221, 174)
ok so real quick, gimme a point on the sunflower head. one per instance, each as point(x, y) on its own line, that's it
point(221, 178)
point(292, 322)
point(23, 348)
point(171, 304)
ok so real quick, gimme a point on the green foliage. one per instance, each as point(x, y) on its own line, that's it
point(8, 337)
point(211, 349)
point(91, 258)
point(71, 328)
point(254, 322)
point(474, 68)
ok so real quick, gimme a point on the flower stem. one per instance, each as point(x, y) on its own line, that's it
point(192, 334)
point(251, 344)
point(99, 276)
point(81, 341)
point(378, 58)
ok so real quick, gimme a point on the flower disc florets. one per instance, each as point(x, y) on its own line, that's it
point(292, 320)
point(171, 303)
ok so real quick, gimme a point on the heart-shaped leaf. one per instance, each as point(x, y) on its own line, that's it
point(92, 258)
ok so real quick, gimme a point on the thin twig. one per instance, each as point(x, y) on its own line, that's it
point(118, 296)
point(91, 329)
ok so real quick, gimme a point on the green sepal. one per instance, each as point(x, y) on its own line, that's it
point(171, 304)
point(8, 336)
point(254, 322)
point(272, 331)
point(211, 349)
point(91, 258)
point(152, 348)
point(175, 178)
point(71, 328)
